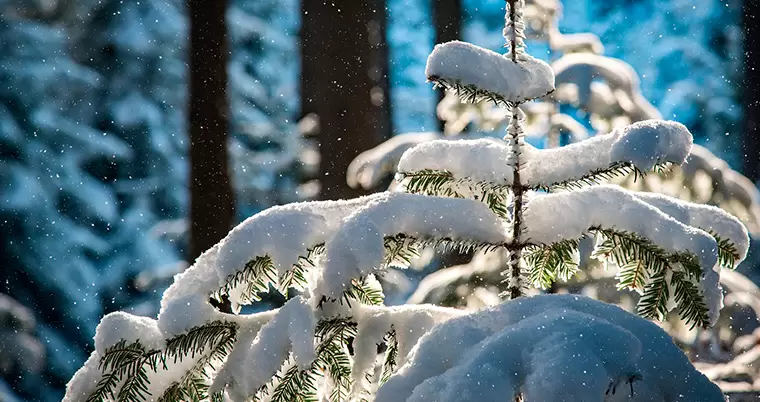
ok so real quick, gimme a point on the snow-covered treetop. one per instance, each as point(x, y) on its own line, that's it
point(322, 344)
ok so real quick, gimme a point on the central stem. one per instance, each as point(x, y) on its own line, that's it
point(513, 37)
point(514, 272)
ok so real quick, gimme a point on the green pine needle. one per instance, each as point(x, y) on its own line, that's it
point(547, 263)
point(594, 177)
point(654, 302)
point(728, 253)
point(442, 183)
point(391, 357)
point(645, 266)
point(690, 302)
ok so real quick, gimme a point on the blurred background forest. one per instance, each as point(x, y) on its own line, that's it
point(134, 134)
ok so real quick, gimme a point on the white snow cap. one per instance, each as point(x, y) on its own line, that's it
point(551, 348)
point(469, 65)
point(118, 326)
point(291, 330)
point(284, 233)
point(368, 169)
point(649, 142)
point(612, 207)
point(85, 380)
point(643, 144)
point(358, 246)
point(482, 160)
point(706, 217)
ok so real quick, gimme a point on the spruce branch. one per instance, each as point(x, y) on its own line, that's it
point(646, 266)
point(690, 303)
point(332, 358)
point(259, 274)
point(194, 384)
point(123, 361)
point(546, 264)
point(401, 249)
point(443, 183)
point(654, 301)
point(296, 385)
point(728, 253)
point(195, 341)
point(364, 292)
point(598, 176)
point(468, 93)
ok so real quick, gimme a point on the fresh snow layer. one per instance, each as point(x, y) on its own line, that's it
point(410, 322)
point(482, 160)
point(290, 331)
point(357, 248)
point(85, 380)
point(568, 215)
point(550, 348)
point(283, 233)
point(118, 326)
point(706, 217)
point(469, 65)
point(643, 144)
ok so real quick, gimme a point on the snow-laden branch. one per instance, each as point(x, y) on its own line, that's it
point(641, 146)
point(479, 74)
point(357, 248)
point(290, 331)
point(582, 70)
point(611, 207)
point(651, 248)
point(371, 166)
point(713, 220)
point(548, 348)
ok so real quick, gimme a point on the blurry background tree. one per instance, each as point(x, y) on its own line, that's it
point(447, 19)
point(750, 90)
point(212, 202)
point(344, 81)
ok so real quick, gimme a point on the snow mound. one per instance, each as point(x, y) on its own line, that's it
point(549, 348)
point(472, 66)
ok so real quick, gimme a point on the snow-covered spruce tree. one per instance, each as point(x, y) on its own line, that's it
point(336, 341)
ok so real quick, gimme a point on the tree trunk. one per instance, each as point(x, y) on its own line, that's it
point(751, 90)
point(447, 19)
point(212, 202)
point(344, 80)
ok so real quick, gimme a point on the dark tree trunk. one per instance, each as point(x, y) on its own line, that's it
point(212, 202)
point(751, 90)
point(447, 19)
point(344, 80)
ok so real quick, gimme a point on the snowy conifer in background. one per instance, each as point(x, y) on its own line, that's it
point(334, 340)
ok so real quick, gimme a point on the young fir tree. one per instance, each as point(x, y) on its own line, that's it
point(336, 341)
